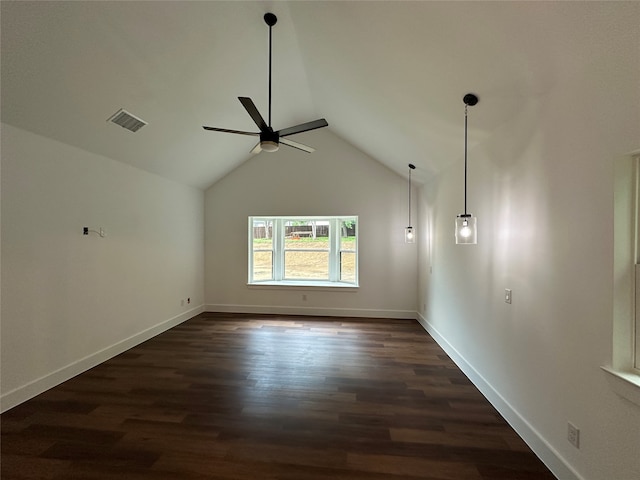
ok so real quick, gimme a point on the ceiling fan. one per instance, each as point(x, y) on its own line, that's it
point(270, 140)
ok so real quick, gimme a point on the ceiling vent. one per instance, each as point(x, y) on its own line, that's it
point(126, 120)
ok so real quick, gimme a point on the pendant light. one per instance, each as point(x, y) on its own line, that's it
point(466, 224)
point(409, 233)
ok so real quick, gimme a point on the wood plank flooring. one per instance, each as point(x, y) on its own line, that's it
point(239, 397)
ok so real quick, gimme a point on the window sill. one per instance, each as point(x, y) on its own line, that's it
point(625, 384)
point(305, 285)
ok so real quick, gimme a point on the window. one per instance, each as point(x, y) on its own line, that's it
point(624, 372)
point(636, 326)
point(303, 250)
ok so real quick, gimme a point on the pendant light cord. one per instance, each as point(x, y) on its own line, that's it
point(409, 224)
point(465, 159)
point(411, 167)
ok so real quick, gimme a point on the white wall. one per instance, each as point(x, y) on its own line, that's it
point(71, 301)
point(542, 189)
point(336, 179)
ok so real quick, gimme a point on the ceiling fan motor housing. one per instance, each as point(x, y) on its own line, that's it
point(269, 136)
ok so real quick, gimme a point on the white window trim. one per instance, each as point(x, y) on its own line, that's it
point(635, 327)
point(623, 375)
point(278, 250)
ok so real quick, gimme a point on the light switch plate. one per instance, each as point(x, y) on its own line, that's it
point(507, 295)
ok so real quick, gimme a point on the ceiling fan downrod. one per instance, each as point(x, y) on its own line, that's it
point(270, 19)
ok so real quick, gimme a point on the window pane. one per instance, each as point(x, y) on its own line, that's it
point(348, 243)
point(262, 265)
point(262, 234)
point(320, 243)
point(348, 234)
point(637, 339)
point(307, 265)
point(306, 234)
point(347, 267)
point(262, 244)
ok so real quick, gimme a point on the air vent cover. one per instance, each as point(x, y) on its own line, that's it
point(127, 120)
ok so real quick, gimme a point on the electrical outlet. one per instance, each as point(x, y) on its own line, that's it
point(507, 295)
point(189, 300)
point(85, 230)
point(182, 302)
point(573, 435)
point(304, 297)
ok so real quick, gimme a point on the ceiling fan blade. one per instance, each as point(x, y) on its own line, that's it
point(214, 129)
point(251, 109)
point(256, 149)
point(303, 127)
point(299, 146)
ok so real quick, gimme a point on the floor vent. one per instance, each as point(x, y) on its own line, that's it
point(126, 120)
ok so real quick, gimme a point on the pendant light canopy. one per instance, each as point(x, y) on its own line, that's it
point(466, 223)
point(409, 232)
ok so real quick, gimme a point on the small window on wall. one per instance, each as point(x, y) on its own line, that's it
point(636, 323)
point(313, 251)
point(624, 368)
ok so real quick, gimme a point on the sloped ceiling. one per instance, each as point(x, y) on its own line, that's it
point(389, 77)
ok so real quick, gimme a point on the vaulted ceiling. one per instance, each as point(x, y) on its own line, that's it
point(389, 77)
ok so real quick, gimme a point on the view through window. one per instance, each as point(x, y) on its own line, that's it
point(303, 250)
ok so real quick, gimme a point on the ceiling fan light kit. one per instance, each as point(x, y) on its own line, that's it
point(269, 146)
point(270, 140)
point(466, 232)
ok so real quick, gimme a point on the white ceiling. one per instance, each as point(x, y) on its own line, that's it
point(389, 77)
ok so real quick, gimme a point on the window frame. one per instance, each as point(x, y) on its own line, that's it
point(635, 326)
point(279, 249)
point(623, 374)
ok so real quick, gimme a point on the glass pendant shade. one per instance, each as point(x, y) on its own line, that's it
point(466, 229)
point(409, 235)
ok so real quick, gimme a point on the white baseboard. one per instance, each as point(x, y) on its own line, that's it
point(530, 435)
point(36, 387)
point(549, 456)
point(315, 311)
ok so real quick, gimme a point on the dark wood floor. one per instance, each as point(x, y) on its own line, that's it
point(261, 397)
